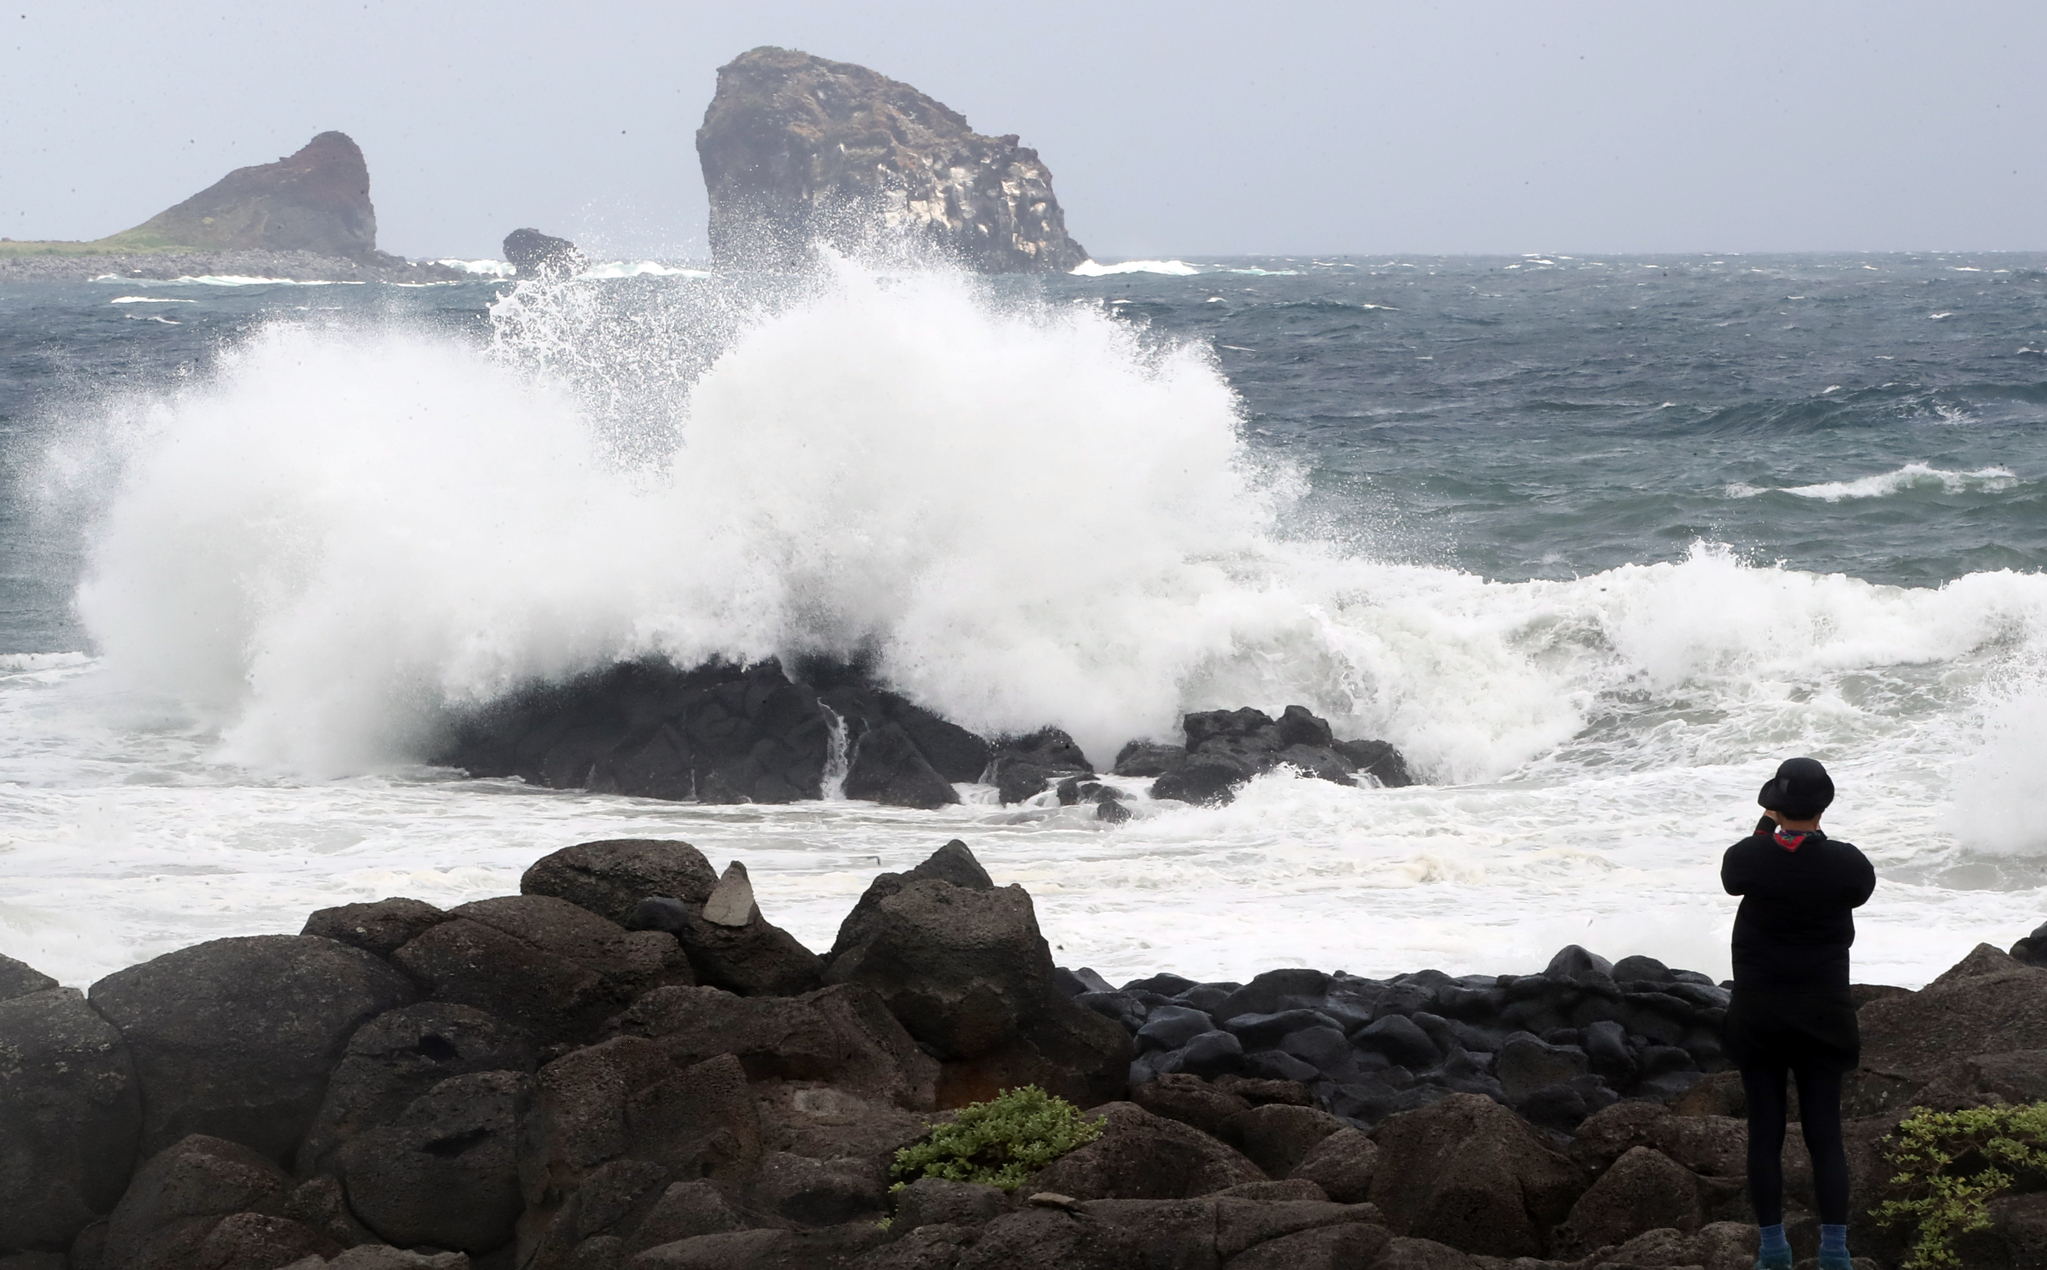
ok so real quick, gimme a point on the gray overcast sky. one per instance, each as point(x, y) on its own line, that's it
point(1181, 128)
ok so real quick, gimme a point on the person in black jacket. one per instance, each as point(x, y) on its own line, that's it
point(1791, 1013)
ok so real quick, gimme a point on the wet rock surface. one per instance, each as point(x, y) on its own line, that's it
point(798, 150)
point(763, 734)
point(611, 1111)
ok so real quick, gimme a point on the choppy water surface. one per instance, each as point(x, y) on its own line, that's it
point(1594, 541)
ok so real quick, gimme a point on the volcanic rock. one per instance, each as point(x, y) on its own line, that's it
point(1021, 767)
point(1143, 1156)
point(1225, 748)
point(1341, 1164)
point(180, 1195)
point(731, 901)
point(538, 255)
point(18, 979)
point(70, 1115)
point(1643, 1190)
point(797, 149)
point(953, 752)
point(888, 768)
point(930, 1201)
point(234, 1037)
point(718, 734)
point(621, 1099)
point(551, 968)
point(610, 878)
point(398, 1057)
point(316, 200)
point(381, 928)
point(970, 977)
point(1277, 1137)
point(756, 959)
point(446, 1171)
point(1468, 1172)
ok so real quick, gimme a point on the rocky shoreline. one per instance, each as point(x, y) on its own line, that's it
point(295, 266)
point(628, 1067)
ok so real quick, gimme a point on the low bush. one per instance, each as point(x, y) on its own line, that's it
point(1000, 1142)
point(1949, 1165)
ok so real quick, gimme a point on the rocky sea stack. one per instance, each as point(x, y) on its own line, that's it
point(797, 149)
point(308, 215)
point(627, 1066)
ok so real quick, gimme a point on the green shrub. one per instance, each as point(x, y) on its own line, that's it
point(1949, 1165)
point(1000, 1142)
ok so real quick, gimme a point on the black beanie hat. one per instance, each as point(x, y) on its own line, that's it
point(1801, 789)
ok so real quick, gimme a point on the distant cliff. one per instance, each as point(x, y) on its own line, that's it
point(798, 149)
point(317, 200)
point(308, 215)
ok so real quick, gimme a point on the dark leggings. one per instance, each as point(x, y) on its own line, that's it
point(1819, 1106)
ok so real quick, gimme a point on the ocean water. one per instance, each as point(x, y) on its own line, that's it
point(1595, 541)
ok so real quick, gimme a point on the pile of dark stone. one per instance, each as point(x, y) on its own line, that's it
point(721, 733)
point(627, 1067)
point(1555, 1046)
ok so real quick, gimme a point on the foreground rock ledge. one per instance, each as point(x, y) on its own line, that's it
point(629, 1067)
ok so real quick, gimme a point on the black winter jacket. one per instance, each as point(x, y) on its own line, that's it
point(1797, 916)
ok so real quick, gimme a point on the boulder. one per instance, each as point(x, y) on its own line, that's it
point(1342, 1164)
point(544, 965)
point(1720, 1246)
point(1468, 1172)
point(18, 979)
point(1148, 758)
point(842, 1034)
point(1906, 1039)
point(610, 878)
point(1322, 1248)
point(757, 958)
point(888, 768)
point(1204, 779)
point(970, 977)
point(259, 1241)
point(1644, 1190)
point(1526, 1064)
point(396, 1058)
point(932, 1201)
point(1213, 1230)
point(621, 1099)
point(1051, 1237)
point(2032, 950)
point(1143, 1156)
point(954, 753)
point(797, 150)
point(1377, 759)
point(602, 1218)
point(381, 928)
point(320, 1203)
point(731, 902)
point(717, 734)
point(70, 1115)
point(1190, 1100)
point(316, 200)
point(180, 1194)
point(684, 1210)
point(1022, 767)
point(812, 1192)
point(1277, 1137)
point(234, 1037)
point(538, 255)
point(446, 1171)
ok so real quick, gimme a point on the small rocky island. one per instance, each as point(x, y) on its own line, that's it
point(797, 149)
point(721, 733)
point(306, 216)
point(627, 1066)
